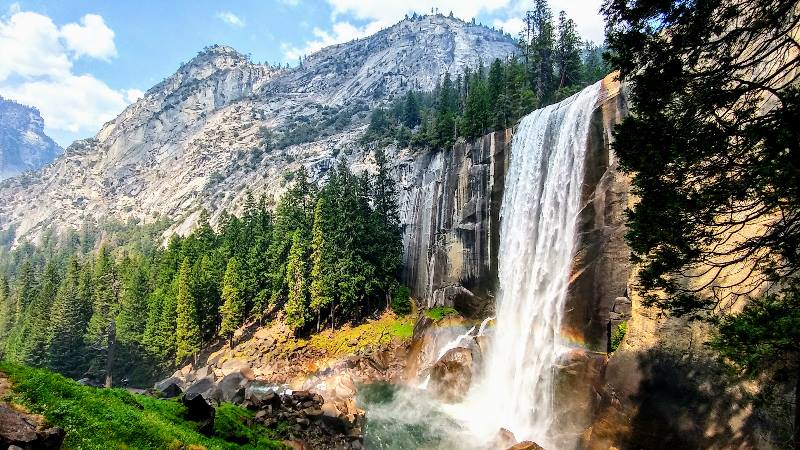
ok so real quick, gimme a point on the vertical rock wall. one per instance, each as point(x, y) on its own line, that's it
point(602, 260)
point(450, 205)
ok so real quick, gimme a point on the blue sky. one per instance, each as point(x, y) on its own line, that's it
point(82, 61)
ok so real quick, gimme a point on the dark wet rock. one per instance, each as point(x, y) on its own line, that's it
point(26, 431)
point(207, 388)
point(199, 410)
point(172, 391)
point(231, 386)
point(165, 383)
point(451, 376)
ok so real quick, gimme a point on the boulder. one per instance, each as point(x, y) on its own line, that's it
point(260, 395)
point(232, 387)
point(451, 376)
point(526, 445)
point(25, 431)
point(199, 410)
point(172, 391)
point(205, 387)
point(504, 439)
point(234, 365)
point(165, 383)
point(202, 372)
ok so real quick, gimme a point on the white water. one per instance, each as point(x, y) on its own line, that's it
point(540, 206)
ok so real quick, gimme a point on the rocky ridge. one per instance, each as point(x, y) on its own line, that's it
point(23, 144)
point(197, 138)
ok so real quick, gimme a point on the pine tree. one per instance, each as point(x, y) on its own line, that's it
point(233, 301)
point(297, 303)
point(101, 331)
point(568, 57)
point(476, 113)
point(411, 115)
point(69, 319)
point(187, 331)
point(131, 319)
point(104, 298)
point(6, 311)
point(36, 324)
point(323, 276)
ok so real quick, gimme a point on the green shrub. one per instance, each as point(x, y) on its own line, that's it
point(617, 334)
point(440, 313)
point(401, 300)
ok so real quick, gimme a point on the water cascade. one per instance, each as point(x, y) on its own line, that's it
point(540, 205)
point(514, 384)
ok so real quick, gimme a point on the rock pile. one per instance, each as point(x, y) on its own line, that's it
point(312, 420)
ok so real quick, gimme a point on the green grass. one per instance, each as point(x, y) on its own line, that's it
point(371, 334)
point(440, 313)
point(116, 419)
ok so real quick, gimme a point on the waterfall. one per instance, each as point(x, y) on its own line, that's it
point(540, 205)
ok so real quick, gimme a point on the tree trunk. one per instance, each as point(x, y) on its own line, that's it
point(112, 336)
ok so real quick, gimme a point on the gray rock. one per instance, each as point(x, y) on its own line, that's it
point(231, 387)
point(207, 388)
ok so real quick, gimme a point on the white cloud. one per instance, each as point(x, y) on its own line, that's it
point(91, 38)
point(230, 18)
point(31, 47)
point(512, 25)
point(340, 32)
point(73, 103)
point(131, 95)
point(37, 69)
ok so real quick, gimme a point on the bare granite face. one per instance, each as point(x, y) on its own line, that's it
point(23, 144)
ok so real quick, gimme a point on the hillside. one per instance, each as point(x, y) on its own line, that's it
point(198, 138)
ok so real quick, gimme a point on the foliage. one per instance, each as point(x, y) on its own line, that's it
point(618, 334)
point(326, 256)
point(401, 300)
point(713, 146)
point(764, 336)
point(713, 150)
point(440, 312)
point(113, 418)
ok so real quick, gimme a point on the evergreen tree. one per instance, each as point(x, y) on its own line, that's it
point(297, 303)
point(6, 311)
point(713, 155)
point(131, 320)
point(411, 116)
point(36, 331)
point(568, 57)
point(233, 301)
point(187, 331)
point(496, 99)
point(389, 233)
point(323, 275)
point(477, 111)
point(101, 331)
point(447, 108)
point(69, 320)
